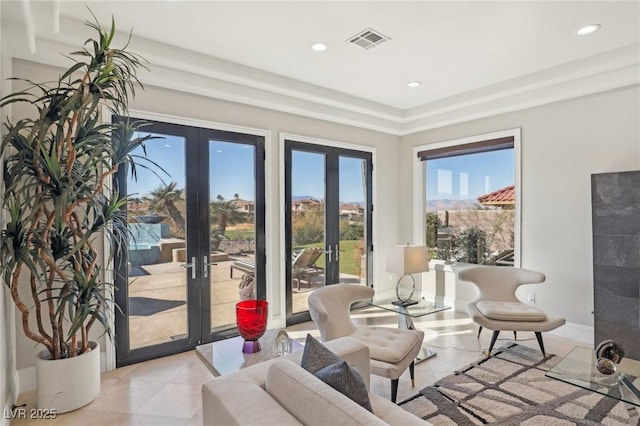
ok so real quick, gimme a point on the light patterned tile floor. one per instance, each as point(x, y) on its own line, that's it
point(166, 391)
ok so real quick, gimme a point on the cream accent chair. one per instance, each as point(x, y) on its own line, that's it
point(497, 307)
point(391, 350)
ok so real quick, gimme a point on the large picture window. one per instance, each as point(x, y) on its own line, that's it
point(471, 202)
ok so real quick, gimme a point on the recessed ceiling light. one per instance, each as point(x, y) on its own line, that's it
point(414, 83)
point(319, 47)
point(588, 29)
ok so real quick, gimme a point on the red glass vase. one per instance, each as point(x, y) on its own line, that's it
point(251, 316)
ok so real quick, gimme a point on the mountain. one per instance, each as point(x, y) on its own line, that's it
point(446, 204)
point(303, 197)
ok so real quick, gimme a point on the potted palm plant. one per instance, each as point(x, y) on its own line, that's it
point(58, 167)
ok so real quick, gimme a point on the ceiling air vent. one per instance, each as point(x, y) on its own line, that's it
point(368, 38)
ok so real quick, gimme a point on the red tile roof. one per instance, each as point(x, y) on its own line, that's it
point(501, 197)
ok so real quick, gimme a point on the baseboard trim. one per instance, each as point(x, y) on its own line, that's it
point(578, 332)
point(11, 399)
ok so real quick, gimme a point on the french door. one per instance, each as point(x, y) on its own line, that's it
point(327, 221)
point(192, 216)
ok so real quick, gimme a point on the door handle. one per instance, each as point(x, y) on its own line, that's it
point(191, 265)
point(338, 253)
point(329, 252)
point(205, 264)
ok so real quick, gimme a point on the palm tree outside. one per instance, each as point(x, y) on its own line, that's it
point(222, 213)
point(164, 199)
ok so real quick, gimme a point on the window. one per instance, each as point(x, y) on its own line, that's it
point(471, 201)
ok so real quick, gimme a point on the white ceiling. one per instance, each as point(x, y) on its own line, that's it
point(461, 51)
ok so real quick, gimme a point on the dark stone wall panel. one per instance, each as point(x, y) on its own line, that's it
point(629, 339)
point(616, 281)
point(616, 250)
point(617, 219)
point(618, 310)
point(616, 258)
point(615, 188)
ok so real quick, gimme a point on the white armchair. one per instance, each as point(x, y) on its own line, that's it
point(391, 350)
point(497, 307)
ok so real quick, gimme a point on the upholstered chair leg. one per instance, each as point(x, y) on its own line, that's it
point(479, 331)
point(494, 337)
point(411, 373)
point(394, 390)
point(515, 336)
point(539, 337)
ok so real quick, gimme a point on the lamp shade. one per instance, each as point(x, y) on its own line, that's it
point(408, 259)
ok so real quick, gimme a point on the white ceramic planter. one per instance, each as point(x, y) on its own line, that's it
point(70, 383)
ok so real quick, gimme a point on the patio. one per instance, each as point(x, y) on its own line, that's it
point(157, 300)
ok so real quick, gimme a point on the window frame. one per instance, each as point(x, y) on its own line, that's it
point(419, 184)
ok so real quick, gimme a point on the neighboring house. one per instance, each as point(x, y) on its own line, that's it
point(244, 206)
point(136, 206)
point(351, 210)
point(504, 198)
point(306, 204)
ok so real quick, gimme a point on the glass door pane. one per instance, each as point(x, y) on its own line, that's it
point(352, 253)
point(197, 222)
point(157, 279)
point(307, 226)
point(327, 221)
point(232, 229)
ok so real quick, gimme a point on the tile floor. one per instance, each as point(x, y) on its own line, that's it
point(167, 391)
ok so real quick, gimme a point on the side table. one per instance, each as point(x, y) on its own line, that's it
point(226, 356)
point(578, 368)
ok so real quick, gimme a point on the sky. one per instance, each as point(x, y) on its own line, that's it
point(308, 177)
point(468, 176)
point(232, 172)
point(231, 165)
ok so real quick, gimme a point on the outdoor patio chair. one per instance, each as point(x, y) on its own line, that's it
point(303, 266)
point(248, 266)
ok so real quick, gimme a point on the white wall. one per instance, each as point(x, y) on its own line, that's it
point(8, 373)
point(562, 145)
point(181, 105)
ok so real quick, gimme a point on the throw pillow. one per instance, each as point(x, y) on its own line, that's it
point(345, 379)
point(334, 371)
point(316, 355)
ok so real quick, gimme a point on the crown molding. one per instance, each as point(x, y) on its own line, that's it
point(187, 71)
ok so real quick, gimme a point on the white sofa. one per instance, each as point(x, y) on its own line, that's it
point(280, 392)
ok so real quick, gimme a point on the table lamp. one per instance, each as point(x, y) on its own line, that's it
point(405, 261)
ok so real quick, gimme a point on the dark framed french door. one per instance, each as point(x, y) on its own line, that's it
point(328, 221)
point(200, 211)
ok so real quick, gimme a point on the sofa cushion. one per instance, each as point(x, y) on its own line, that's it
point(237, 402)
point(334, 371)
point(510, 311)
point(312, 401)
point(388, 412)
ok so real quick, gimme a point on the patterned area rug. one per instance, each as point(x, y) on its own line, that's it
point(510, 388)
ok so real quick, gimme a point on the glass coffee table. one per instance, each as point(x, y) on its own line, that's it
point(579, 369)
point(226, 356)
point(406, 315)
